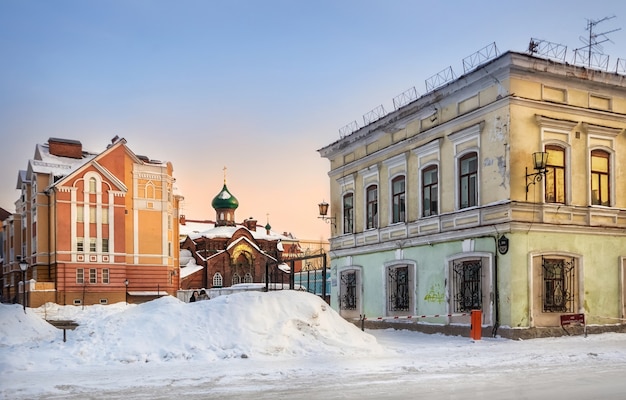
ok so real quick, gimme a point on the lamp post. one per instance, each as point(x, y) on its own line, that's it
point(24, 267)
point(126, 292)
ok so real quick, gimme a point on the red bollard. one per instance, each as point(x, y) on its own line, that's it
point(476, 324)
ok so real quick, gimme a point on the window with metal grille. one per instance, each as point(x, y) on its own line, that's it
point(348, 299)
point(558, 285)
point(467, 285)
point(398, 288)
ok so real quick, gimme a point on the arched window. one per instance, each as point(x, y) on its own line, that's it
point(398, 199)
point(236, 279)
point(217, 280)
point(468, 180)
point(600, 178)
point(248, 278)
point(92, 185)
point(555, 175)
point(371, 198)
point(348, 213)
point(430, 182)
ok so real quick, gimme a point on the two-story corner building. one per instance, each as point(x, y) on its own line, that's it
point(439, 208)
point(95, 228)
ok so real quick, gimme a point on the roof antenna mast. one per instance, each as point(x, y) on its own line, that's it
point(594, 40)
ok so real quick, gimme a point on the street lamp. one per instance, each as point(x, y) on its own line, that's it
point(540, 161)
point(126, 284)
point(24, 267)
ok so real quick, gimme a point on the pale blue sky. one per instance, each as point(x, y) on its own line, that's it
point(257, 86)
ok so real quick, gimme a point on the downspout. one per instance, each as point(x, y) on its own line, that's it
point(496, 291)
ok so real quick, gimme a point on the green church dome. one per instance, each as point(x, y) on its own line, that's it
point(225, 199)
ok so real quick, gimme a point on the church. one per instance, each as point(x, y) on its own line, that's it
point(222, 253)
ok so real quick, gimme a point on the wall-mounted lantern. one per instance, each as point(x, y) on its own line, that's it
point(323, 208)
point(540, 161)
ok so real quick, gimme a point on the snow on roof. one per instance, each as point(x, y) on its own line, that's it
point(196, 230)
point(190, 268)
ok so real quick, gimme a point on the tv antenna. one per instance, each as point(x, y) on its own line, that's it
point(593, 42)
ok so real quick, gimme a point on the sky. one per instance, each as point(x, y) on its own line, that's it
point(283, 344)
point(254, 86)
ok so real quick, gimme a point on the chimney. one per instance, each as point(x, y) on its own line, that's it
point(250, 223)
point(65, 148)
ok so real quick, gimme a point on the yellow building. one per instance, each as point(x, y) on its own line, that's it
point(440, 210)
point(94, 228)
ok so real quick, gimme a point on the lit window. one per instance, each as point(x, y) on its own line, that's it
point(555, 175)
point(600, 178)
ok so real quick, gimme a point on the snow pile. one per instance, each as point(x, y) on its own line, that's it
point(242, 325)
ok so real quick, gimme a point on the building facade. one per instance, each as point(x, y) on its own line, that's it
point(95, 228)
point(439, 209)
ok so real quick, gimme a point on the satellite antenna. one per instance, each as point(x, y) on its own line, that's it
point(593, 42)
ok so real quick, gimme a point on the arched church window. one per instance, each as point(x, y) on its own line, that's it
point(217, 280)
point(236, 279)
point(248, 278)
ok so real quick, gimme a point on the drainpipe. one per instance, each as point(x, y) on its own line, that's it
point(496, 291)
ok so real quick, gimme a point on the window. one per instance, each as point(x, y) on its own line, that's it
point(80, 214)
point(92, 245)
point(398, 199)
point(348, 213)
point(348, 290)
point(600, 187)
point(558, 285)
point(236, 279)
point(80, 244)
point(217, 280)
point(429, 191)
point(80, 276)
point(248, 278)
point(105, 275)
point(92, 275)
point(92, 185)
point(398, 288)
point(105, 215)
point(468, 180)
point(92, 215)
point(105, 245)
point(555, 175)
point(371, 198)
point(467, 285)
